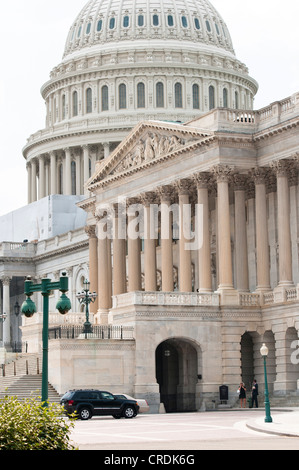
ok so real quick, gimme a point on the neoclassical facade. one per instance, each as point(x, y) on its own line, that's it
point(222, 296)
point(123, 65)
point(191, 206)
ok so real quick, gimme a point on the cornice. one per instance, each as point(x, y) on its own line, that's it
point(276, 130)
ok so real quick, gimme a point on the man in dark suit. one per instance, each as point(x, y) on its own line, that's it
point(255, 392)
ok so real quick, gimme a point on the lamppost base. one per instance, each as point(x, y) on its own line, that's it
point(268, 420)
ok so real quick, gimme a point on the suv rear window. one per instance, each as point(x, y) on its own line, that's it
point(68, 395)
point(87, 395)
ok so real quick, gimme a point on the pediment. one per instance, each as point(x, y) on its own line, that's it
point(148, 144)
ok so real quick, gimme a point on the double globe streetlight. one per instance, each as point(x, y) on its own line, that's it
point(29, 309)
point(85, 298)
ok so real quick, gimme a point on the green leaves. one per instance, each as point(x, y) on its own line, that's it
point(28, 425)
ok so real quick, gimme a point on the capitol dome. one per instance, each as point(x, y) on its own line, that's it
point(125, 62)
point(102, 24)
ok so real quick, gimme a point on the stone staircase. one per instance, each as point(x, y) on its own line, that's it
point(23, 378)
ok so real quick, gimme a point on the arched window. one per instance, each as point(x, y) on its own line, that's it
point(211, 97)
point(208, 26)
point(126, 21)
point(99, 25)
point(73, 171)
point(195, 96)
point(88, 28)
point(178, 95)
point(197, 23)
point(105, 98)
point(184, 22)
point(112, 23)
point(75, 103)
point(160, 95)
point(63, 107)
point(225, 104)
point(89, 100)
point(140, 20)
point(60, 179)
point(122, 96)
point(140, 95)
point(236, 100)
point(156, 20)
point(170, 20)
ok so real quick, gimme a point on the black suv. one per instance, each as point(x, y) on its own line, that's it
point(89, 403)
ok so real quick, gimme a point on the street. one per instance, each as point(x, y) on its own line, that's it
point(221, 430)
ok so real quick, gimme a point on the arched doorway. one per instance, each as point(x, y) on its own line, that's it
point(177, 374)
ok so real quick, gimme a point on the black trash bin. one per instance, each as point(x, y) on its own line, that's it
point(223, 393)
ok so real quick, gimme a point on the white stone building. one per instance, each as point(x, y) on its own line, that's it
point(150, 106)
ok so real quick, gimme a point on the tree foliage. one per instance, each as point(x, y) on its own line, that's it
point(28, 425)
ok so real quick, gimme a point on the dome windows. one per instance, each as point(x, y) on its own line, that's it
point(208, 26)
point(140, 21)
point(126, 21)
point(184, 22)
point(88, 28)
point(99, 25)
point(170, 20)
point(156, 21)
point(197, 24)
point(112, 23)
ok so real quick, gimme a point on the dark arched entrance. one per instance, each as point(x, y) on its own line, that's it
point(177, 374)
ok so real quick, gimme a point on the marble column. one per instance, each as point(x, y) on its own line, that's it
point(106, 146)
point(41, 185)
point(166, 193)
point(33, 181)
point(283, 223)
point(134, 260)
point(29, 182)
point(204, 251)
point(78, 175)
point(241, 252)
point(104, 289)
point(68, 172)
point(6, 308)
point(119, 250)
point(53, 173)
point(185, 268)
point(85, 167)
point(262, 240)
point(222, 175)
point(150, 262)
point(93, 264)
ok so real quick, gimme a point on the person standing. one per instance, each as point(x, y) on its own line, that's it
point(255, 392)
point(242, 395)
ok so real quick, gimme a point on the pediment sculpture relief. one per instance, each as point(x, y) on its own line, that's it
point(152, 147)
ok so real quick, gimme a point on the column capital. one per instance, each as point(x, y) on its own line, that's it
point(184, 186)
point(222, 173)
point(6, 280)
point(148, 198)
point(202, 180)
point(166, 192)
point(281, 167)
point(240, 182)
point(259, 174)
point(90, 230)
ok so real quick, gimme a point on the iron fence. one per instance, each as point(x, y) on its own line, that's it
point(102, 332)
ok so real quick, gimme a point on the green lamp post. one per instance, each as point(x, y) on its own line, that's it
point(28, 309)
point(86, 297)
point(264, 352)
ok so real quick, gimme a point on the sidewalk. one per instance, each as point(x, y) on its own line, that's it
point(284, 423)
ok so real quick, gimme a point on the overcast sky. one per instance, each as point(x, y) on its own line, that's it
point(32, 38)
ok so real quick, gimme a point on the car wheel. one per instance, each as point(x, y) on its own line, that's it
point(116, 416)
point(85, 413)
point(129, 412)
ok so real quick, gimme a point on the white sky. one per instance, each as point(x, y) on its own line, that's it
point(32, 38)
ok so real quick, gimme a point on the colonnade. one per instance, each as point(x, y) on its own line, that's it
point(221, 187)
point(63, 171)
